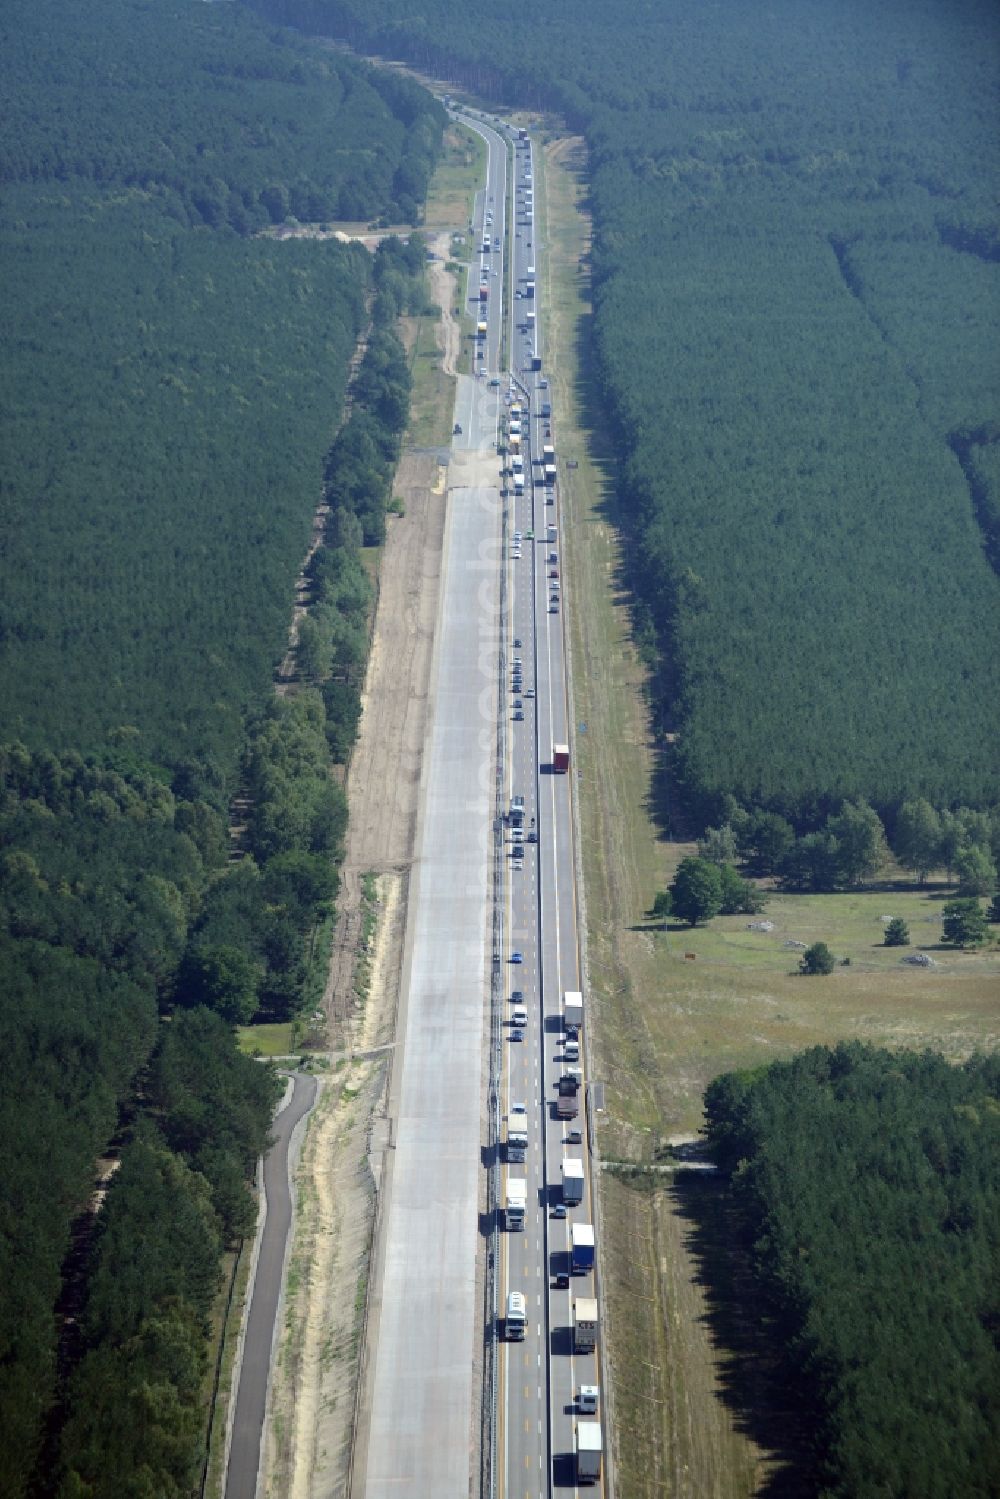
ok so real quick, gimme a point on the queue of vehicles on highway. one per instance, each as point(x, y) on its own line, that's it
point(568, 1270)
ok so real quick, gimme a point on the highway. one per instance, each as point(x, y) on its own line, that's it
point(502, 610)
point(541, 1376)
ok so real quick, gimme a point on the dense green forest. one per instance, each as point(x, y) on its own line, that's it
point(170, 406)
point(797, 326)
point(867, 1189)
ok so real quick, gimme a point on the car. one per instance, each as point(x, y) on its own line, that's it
point(516, 1033)
point(560, 1281)
point(518, 703)
point(532, 836)
point(496, 273)
point(494, 383)
point(543, 385)
point(517, 643)
point(457, 429)
point(517, 295)
point(558, 1210)
point(529, 535)
point(553, 572)
point(519, 715)
point(529, 692)
point(518, 663)
point(517, 957)
point(553, 606)
point(517, 996)
point(517, 535)
point(574, 1137)
point(517, 835)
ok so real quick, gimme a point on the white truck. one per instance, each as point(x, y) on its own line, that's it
point(517, 1201)
point(584, 1324)
point(572, 1180)
point(588, 1451)
point(573, 1011)
point(517, 1132)
point(517, 1317)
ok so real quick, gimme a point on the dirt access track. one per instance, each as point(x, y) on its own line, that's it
point(307, 1441)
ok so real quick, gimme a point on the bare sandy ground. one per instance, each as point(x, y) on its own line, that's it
point(307, 1449)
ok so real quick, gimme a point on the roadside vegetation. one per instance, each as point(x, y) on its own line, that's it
point(865, 1195)
point(171, 385)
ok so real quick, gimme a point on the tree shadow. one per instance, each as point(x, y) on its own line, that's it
point(756, 1381)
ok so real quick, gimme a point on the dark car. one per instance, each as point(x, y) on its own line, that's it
point(560, 1281)
point(457, 429)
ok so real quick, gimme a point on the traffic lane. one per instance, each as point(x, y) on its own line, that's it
point(529, 1408)
point(525, 1449)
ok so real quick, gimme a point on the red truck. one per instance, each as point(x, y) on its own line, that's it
point(484, 292)
point(560, 757)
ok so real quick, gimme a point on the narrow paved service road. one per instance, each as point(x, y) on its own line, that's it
point(255, 1370)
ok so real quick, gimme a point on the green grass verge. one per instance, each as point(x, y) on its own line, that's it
point(266, 1040)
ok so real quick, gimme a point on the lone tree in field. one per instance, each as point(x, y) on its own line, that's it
point(817, 959)
point(964, 923)
point(897, 933)
point(696, 892)
point(662, 905)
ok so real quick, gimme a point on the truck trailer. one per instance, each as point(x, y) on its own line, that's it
point(572, 1180)
point(582, 1247)
point(517, 1198)
point(517, 1132)
point(517, 1317)
point(584, 1324)
point(567, 1104)
point(560, 757)
point(588, 1451)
